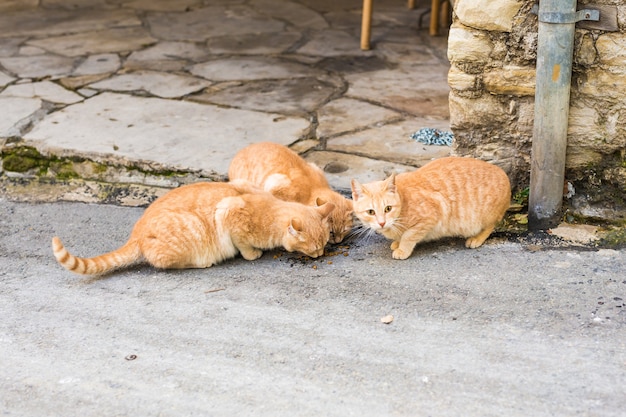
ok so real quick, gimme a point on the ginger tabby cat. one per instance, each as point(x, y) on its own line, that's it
point(448, 197)
point(288, 176)
point(199, 225)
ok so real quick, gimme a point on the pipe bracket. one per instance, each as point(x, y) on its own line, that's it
point(566, 18)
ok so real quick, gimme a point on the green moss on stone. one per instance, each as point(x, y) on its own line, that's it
point(64, 170)
point(615, 237)
point(98, 168)
point(21, 159)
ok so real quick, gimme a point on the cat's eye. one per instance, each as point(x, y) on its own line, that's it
point(371, 212)
point(387, 209)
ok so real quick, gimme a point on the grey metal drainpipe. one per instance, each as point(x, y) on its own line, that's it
point(555, 49)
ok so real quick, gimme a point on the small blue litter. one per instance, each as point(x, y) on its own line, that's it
point(432, 136)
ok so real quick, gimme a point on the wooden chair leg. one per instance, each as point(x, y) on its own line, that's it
point(366, 25)
point(411, 4)
point(435, 7)
point(446, 11)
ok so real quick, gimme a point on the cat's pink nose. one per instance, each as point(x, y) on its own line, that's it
point(382, 224)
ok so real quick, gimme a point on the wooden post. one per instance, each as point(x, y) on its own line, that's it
point(366, 25)
point(554, 72)
point(435, 8)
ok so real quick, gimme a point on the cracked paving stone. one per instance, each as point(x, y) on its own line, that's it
point(340, 168)
point(175, 134)
point(44, 90)
point(5, 79)
point(299, 16)
point(419, 91)
point(164, 56)
point(98, 64)
point(203, 24)
point(103, 41)
point(159, 84)
point(53, 22)
point(15, 112)
point(162, 5)
point(253, 68)
point(38, 66)
point(345, 114)
point(294, 97)
point(333, 43)
point(408, 54)
point(392, 142)
point(11, 46)
point(14, 5)
point(30, 51)
point(254, 44)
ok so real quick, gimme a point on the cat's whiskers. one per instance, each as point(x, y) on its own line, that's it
point(361, 233)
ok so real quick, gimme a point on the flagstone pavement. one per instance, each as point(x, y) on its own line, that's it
point(149, 86)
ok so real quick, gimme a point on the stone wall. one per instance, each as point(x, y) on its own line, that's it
point(492, 49)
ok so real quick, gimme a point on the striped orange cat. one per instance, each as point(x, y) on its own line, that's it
point(448, 197)
point(199, 225)
point(284, 173)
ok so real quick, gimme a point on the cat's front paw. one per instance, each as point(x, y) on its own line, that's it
point(400, 254)
point(395, 245)
point(251, 254)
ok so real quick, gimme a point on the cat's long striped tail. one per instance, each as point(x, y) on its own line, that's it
point(124, 256)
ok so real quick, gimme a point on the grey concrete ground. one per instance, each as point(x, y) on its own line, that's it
point(509, 329)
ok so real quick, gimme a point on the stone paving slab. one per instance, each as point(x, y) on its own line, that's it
point(289, 96)
point(52, 22)
point(166, 56)
point(419, 90)
point(45, 90)
point(15, 110)
point(251, 68)
point(340, 168)
point(5, 79)
point(161, 5)
point(301, 17)
point(98, 64)
point(156, 83)
point(103, 41)
point(174, 134)
point(392, 142)
point(39, 66)
point(254, 44)
point(182, 86)
point(211, 21)
point(344, 114)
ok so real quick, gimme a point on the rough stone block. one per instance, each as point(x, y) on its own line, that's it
point(468, 46)
point(586, 53)
point(487, 14)
point(605, 84)
point(483, 112)
point(611, 49)
point(515, 81)
point(578, 157)
point(461, 81)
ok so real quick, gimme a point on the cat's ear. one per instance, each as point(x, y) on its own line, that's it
point(390, 183)
point(320, 201)
point(325, 209)
point(357, 189)
point(295, 227)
